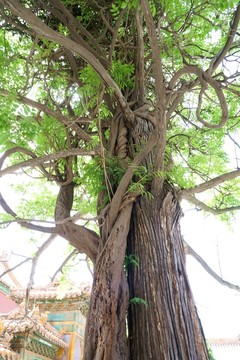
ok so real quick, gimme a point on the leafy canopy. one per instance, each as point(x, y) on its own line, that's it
point(52, 99)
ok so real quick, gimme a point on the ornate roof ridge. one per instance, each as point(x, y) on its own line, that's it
point(224, 342)
point(52, 293)
point(8, 354)
point(19, 322)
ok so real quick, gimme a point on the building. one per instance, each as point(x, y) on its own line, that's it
point(224, 349)
point(44, 325)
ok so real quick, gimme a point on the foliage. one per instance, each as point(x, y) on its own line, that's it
point(97, 77)
point(137, 300)
point(210, 353)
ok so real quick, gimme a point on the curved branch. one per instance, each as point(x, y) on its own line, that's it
point(74, 252)
point(46, 110)
point(84, 240)
point(222, 101)
point(204, 79)
point(209, 184)
point(232, 32)
point(22, 222)
point(192, 199)
point(24, 151)
point(190, 251)
point(15, 267)
point(34, 265)
point(44, 31)
point(64, 15)
point(39, 161)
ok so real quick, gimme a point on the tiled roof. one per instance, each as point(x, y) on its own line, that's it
point(19, 322)
point(53, 293)
point(8, 354)
point(225, 342)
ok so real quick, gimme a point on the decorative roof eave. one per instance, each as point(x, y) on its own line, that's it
point(8, 354)
point(52, 293)
point(18, 321)
point(19, 326)
point(224, 343)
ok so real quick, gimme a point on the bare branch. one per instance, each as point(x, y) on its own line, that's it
point(232, 32)
point(207, 268)
point(34, 265)
point(204, 79)
point(45, 159)
point(23, 223)
point(192, 199)
point(209, 184)
point(24, 151)
point(74, 252)
point(15, 267)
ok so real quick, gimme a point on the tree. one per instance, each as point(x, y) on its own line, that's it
point(126, 105)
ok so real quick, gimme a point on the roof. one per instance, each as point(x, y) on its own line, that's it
point(224, 342)
point(53, 293)
point(19, 322)
point(8, 354)
point(53, 298)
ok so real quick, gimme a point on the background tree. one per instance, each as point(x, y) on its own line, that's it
point(125, 105)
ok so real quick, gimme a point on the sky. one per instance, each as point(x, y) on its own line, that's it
point(217, 243)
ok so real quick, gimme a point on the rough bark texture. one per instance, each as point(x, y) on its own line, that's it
point(168, 328)
point(105, 334)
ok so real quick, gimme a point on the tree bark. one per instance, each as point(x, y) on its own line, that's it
point(168, 327)
point(105, 333)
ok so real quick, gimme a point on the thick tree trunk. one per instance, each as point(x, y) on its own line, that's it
point(168, 327)
point(105, 334)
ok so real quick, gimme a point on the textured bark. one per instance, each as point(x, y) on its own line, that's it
point(168, 328)
point(105, 334)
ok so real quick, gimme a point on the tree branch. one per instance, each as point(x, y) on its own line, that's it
point(46, 110)
point(22, 222)
point(192, 199)
point(44, 31)
point(204, 79)
point(84, 240)
point(160, 93)
point(190, 251)
point(39, 161)
point(232, 32)
point(34, 266)
point(74, 252)
point(15, 267)
point(209, 184)
point(127, 177)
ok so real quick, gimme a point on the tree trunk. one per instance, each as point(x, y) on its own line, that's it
point(105, 334)
point(168, 327)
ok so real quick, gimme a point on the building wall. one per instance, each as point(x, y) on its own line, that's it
point(6, 304)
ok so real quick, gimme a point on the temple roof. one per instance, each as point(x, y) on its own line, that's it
point(52, 293)
point(8, 354)
point(18, 321)
point(224, 342)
